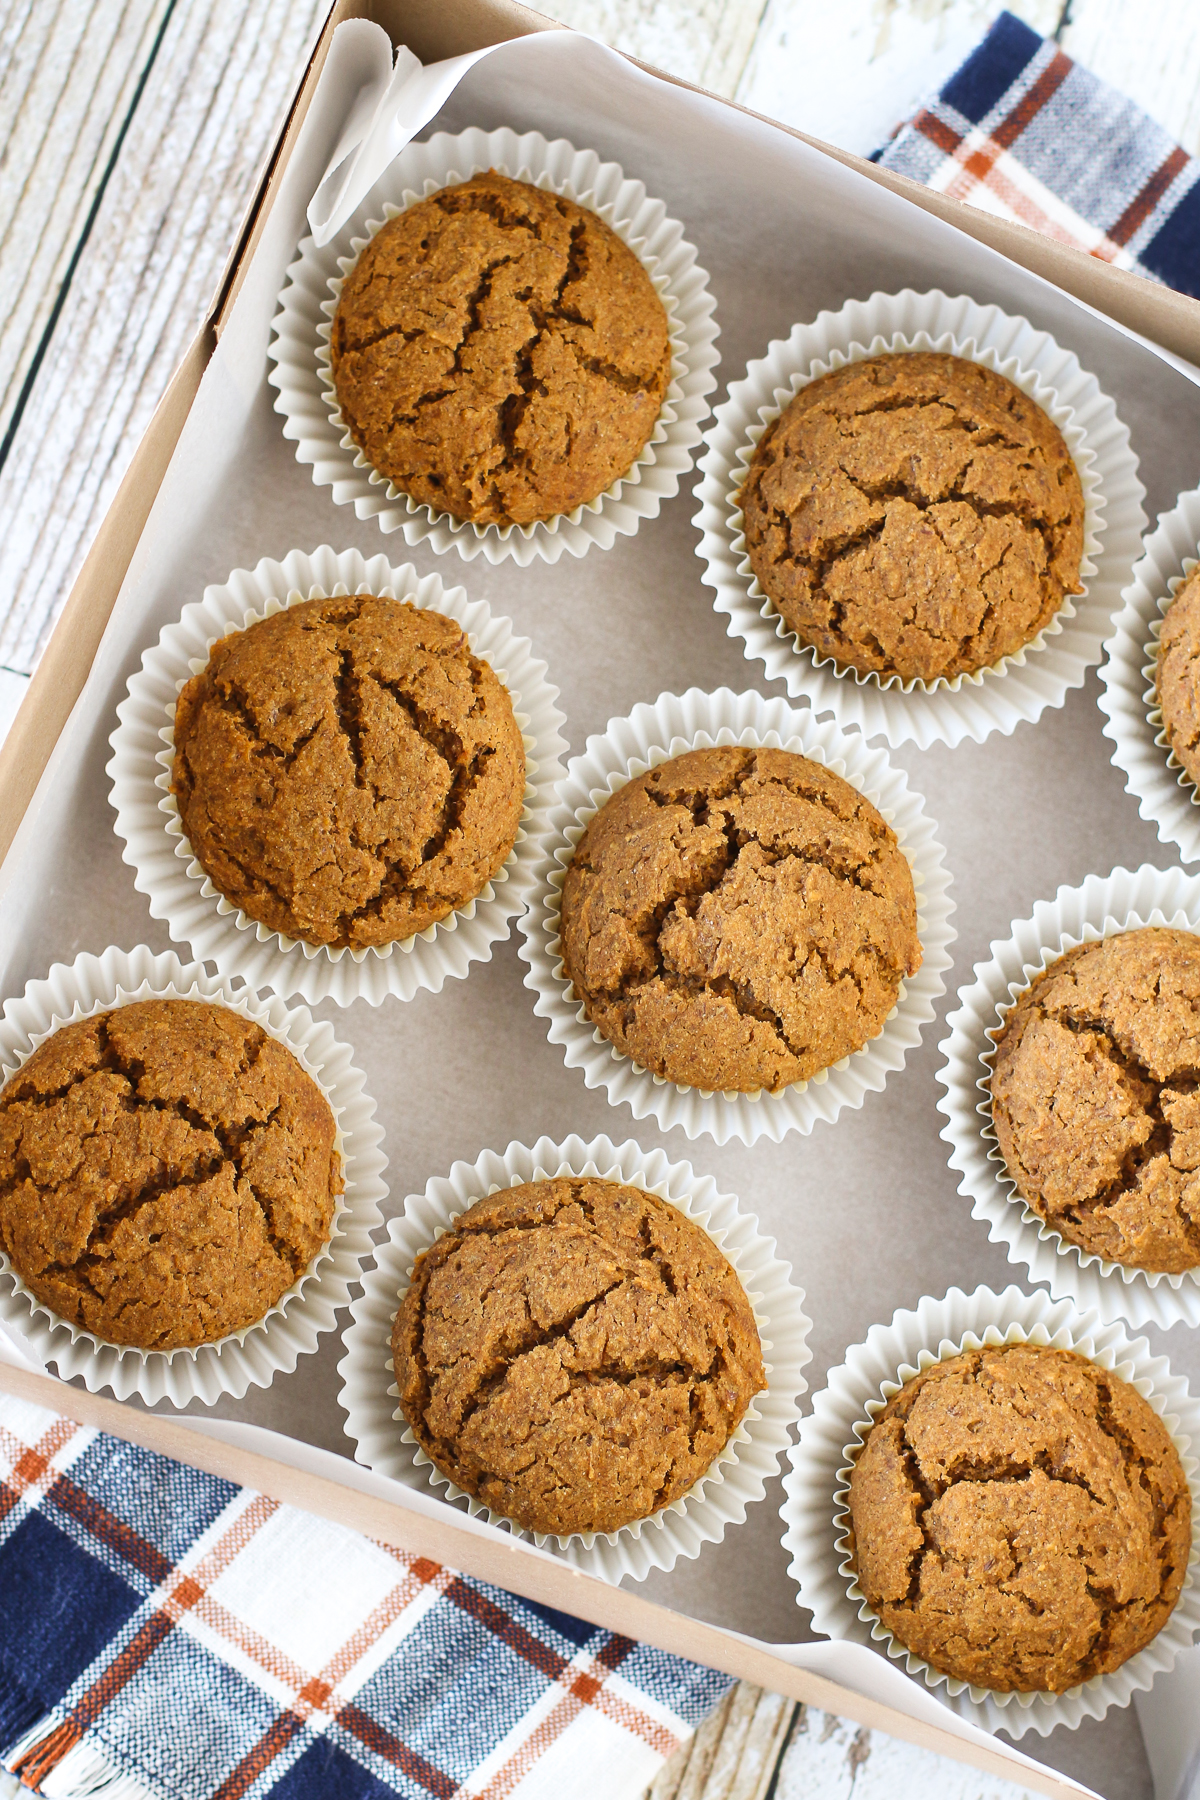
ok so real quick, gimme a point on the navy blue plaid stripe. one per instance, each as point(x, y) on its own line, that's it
point(128, 1632)
point(1051, 143)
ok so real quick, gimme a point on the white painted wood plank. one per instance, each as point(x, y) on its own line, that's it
point(684, 1776)
point(760, 1753)
point(67, 75)
point(833, 1759)
point(1150, 50)
point(705, 41)
point(209, 112)
point(731, 1744)
point(852, 72)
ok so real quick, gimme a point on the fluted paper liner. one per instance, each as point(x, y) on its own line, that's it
point(370, 1397)
point(180, 892)
point(1165, 793)
point(1019, 687)
point(302, 372)
point(1122, 901)
point(651, 734)
point(815, 1510)
point(253, 1356)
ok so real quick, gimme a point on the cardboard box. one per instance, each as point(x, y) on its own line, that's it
point(53, 794)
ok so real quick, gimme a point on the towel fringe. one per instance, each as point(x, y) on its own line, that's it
point(85, 1773)
point(54, 1759)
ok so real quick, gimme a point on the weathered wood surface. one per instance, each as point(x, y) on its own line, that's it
point(208, 110)
point(757, 1745)
point(67, 77)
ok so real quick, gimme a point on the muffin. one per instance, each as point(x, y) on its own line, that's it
point(167, 1171)
point(499, 353)
point(1096, 1102)
point(914, 515)
point(575, 1353)
point(1177, 674)
point(738, 919)
point(347, 772)
point(1021, 1519)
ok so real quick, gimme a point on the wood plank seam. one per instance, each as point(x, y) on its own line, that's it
point(39, 354)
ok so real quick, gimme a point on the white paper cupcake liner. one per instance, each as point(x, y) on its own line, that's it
point(1122, 901)
point(164, 866)
point(253, 1356)
point(370, 1396)
point(1165, 793)
point(302, 372)
point(1019, 687)
point(816, 1488)
point(652, 734)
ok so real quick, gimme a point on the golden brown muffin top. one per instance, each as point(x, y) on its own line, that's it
point(1177, 674)
point(1021, 1519)
point(738, 919)
point(1096, 1097)
point(167, 1171)
point(914, 515)
point(575, 1353)
point(347, 771)
point(499, 353)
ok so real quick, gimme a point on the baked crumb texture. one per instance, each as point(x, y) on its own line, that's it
point(347, 772)
point(914, 515)
point(1177, 676)
point(1021, 1519)
point(499, 353)
point(1096, 1097)
point(575, 1353)
point(738, 919)
point(167, 1171)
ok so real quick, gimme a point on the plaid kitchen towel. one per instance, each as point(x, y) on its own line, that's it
point(1023, 132)
point(165, 1634)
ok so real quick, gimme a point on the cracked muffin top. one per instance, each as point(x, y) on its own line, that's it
point(1021, 1519)
point(347, 771)
point(575, 1353)
point(1177, 674)
point(167, 1171)
point(738, 919)
point(1096, 1097)
point(499, 353)
point(914, 515)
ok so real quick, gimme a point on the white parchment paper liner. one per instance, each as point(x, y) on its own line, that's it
point(816, 1487)
point(1122, 901)
point(651, 734)
point(1019, 687)
point(302, 372)
point(1165, 793)
point(161, 857)
point(370, 1397)
point(250, 1357)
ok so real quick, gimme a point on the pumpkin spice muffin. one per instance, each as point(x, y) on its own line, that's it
point(738, 919)
point(1021, 1519)
point(1096, 1100)
point(575, 1353)
point(914, 514)
point(347, 771)
point(1177, 674)
point(167, 1172)
point(499, 353)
